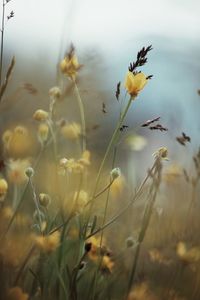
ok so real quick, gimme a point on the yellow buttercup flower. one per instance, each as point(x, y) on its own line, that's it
point(134, 83)
point(69, 65)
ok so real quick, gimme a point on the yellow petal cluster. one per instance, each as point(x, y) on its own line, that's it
point(71, 131)
point(18, 142)
point(69, 66)
point(134, 83)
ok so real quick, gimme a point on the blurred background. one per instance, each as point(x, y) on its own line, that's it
point(107, 35)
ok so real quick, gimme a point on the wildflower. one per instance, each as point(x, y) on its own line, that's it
point(44, 199)
point(16, 293)
point(136, 142)
point(18, 142)
point(3, 189)
point(115, 173)
point(43, 132)
point(161, 153)
point(107, 264)
point(68, 165)
point(134, 83)
point(55, 93)
point(188, 255)
point(69, 65)
point(71, 131)
point(48, 243)
point(16, 170)
point(29, 172)
point(85, 158)
point(40, 115)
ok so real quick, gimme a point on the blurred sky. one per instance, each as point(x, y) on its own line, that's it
point(41, 30)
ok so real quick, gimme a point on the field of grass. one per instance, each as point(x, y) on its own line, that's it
point(72, 224)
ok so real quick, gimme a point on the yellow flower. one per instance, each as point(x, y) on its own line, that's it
point(18, 142)
point(134, 83)
point(16, 293)
point(48, 243)
point(85, 158)
point(107, 263)
point(16, 170)
point(71, 131)
point(40, 115)
point(188, 255)
point(55, 93)
point(69, 65)
point(3, 188)
point(161, 153)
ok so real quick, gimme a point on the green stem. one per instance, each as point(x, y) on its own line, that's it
point(116, 217)
point(49, 122)
point(17, 209)
point(114, 136)
point(82, 115)
point(36, 203)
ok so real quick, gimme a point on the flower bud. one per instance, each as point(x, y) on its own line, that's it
point(55, 93)
point(44, 199)
point(29, 172)
point(115, 173)
point(40, 115)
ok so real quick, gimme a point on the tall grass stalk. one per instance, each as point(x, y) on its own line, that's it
point(111, 143)
point(156, 176)
point(82, 115)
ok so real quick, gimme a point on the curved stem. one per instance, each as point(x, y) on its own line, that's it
point(114, 136)
point(135, 197)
